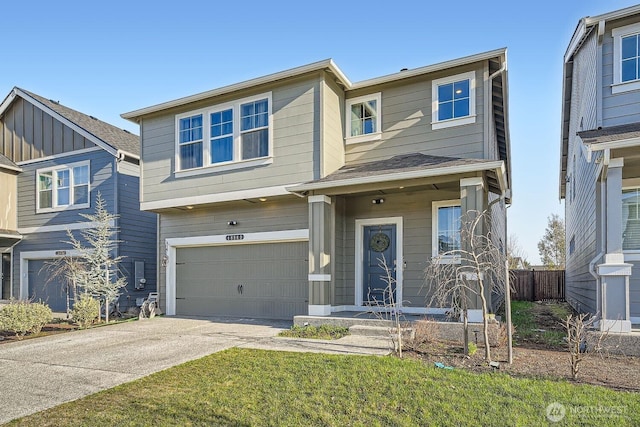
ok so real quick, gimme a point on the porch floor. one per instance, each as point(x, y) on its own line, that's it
point(363, 318)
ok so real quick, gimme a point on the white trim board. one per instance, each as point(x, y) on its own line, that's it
point(59, 156)
point(172, 244)
point(255, 193)
point(359, 254)
point(25, 257)
point(405, 310)
point(60, 227)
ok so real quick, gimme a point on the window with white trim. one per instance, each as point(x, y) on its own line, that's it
point(226, 134)
point(446, 222)
point(364, 118)
point(453, 101)
point(626, 58)
point(62, 187)
point(631, 219)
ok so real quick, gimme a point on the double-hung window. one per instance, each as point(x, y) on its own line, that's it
point(63, 187)
point(626, 58)
point(225, 136)
point(364, 118)
point(631, 219)
point(453, 101)
point(446, 229)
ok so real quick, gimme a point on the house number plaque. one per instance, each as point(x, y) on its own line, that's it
point(235, 237)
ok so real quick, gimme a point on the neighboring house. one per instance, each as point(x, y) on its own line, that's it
point(600, 167)
point(53, 162)
point(279, 195)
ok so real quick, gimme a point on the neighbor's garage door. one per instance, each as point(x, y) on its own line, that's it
point(267, 280)
point(42, 287)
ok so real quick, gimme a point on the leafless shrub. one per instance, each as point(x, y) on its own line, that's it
point(576, 328)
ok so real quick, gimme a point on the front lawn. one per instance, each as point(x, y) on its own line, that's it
point(255, 387)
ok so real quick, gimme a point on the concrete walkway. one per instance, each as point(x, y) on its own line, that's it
point(40, 373)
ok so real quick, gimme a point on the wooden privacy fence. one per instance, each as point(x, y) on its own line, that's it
point(532, 285)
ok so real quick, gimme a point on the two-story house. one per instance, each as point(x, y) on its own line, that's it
point(53, 163)
point(281, 195)
point(600, 167)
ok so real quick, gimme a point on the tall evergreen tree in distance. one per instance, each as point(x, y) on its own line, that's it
point(552, 244)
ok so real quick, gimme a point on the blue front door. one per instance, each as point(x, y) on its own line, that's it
point(379, 248)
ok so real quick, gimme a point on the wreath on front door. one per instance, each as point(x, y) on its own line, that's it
point(379, 242)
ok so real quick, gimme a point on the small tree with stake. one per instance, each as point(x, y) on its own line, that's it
point(457, 277)
point(99, 272)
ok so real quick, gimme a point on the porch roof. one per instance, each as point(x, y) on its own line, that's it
point(407, 167)
point(6, 163)
point(8, 238)
point(611, 134)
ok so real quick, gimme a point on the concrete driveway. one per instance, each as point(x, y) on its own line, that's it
point(40, 373)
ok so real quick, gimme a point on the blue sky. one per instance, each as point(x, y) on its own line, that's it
point(107, 58)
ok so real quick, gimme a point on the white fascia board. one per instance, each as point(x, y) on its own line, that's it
point(616, 14)
point(7, 101)
point(431, 68)
point(610, 145)
point(270, 78)
point(498, 166)
point(11, 168)
point(279, 190)
point(576, 39)
point(91, 137)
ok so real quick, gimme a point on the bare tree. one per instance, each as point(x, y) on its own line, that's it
point(577, 327)
point(67, 271)
point(516, 255)
point(99, 275)
point(460, 276)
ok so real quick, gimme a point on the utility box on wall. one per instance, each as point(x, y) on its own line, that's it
point(138, 274)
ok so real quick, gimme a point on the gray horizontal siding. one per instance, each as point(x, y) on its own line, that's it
point(296, 134)
point(580, 203)
point(621, 108)
point(415, 209)
point(101, 168)
point(285, 214)
point(27, 132)
point(406, 124)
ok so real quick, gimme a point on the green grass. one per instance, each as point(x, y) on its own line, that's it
point(322, 332)
point(243, 387)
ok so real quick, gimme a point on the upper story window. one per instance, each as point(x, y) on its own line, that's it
point(364, 118)
point(62, 187)
point(626, 58)
point(631, 219)
point(446, 218)
point(226, 136)
point(453, 101)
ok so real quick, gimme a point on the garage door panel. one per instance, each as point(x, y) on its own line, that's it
point(267, 280)
point(44, 288)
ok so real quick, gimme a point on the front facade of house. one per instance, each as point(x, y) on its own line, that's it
point(600, 167)
point(281, 195)
point(57, 160)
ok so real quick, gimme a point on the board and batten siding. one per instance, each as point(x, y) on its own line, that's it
point(415, 210)
point(8, 194)
point(137, 229)
point(101, 169)
point(27, 133)
point(621, 108)
point(406, 123)
point(296, 136)
point(580, 200)
point(289, 213)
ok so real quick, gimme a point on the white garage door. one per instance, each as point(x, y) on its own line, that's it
point(267, 280)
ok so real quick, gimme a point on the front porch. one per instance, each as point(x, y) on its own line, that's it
point(374, 227)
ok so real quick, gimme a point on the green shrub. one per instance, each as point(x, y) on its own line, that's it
point(323, 332)
point(86, 311)
point(473, 348)
point(24, 317)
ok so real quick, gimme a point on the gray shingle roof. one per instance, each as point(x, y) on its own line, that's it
point(400, 163)
point(612, 133)
point(117, 138)
point(4, 161)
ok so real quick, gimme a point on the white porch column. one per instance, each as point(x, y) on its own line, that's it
point(614, 272)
